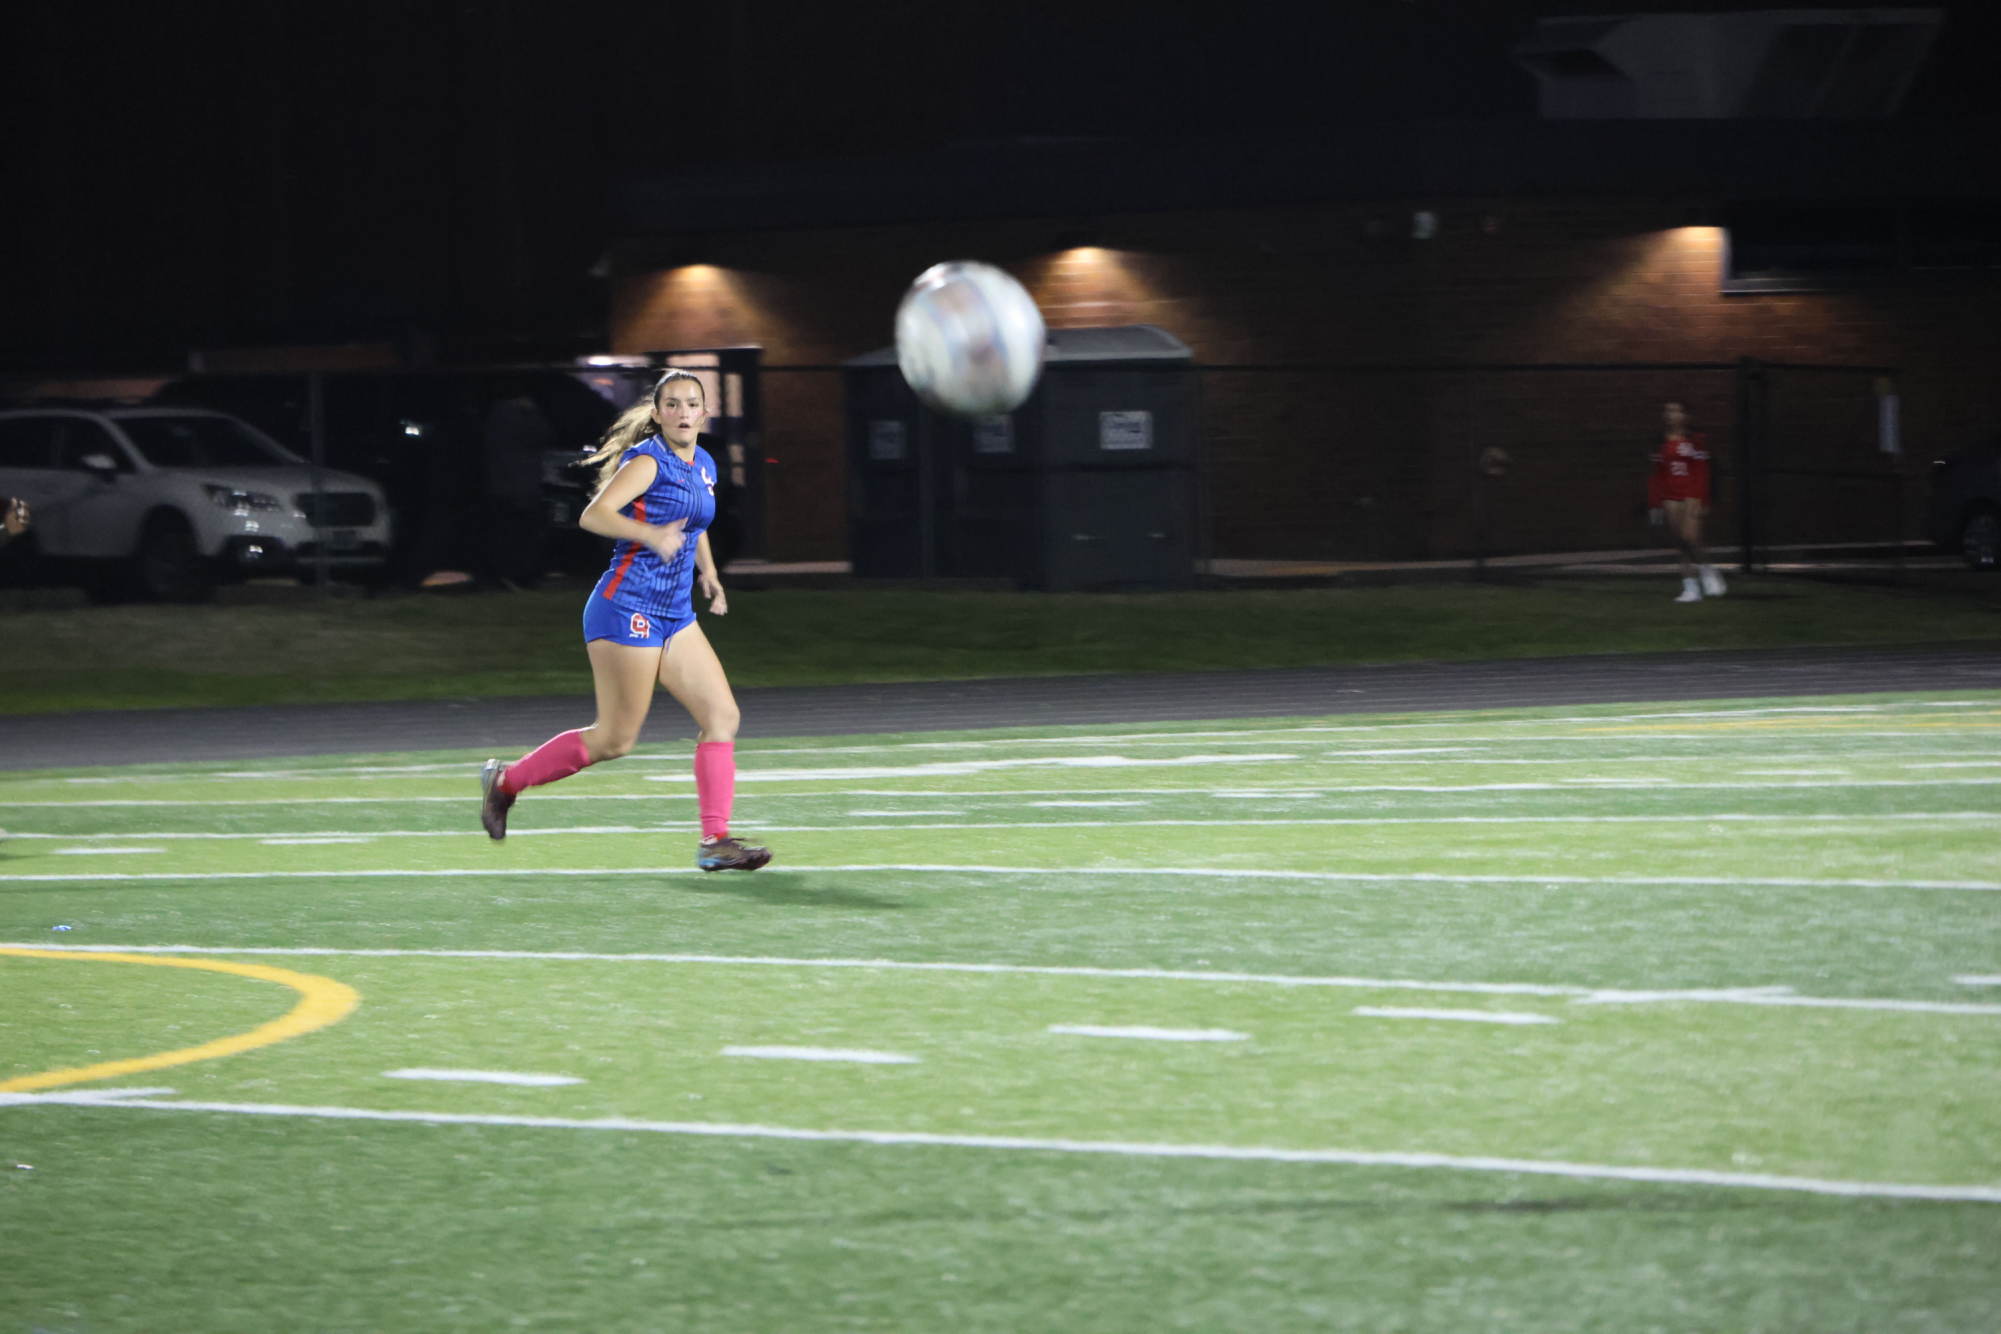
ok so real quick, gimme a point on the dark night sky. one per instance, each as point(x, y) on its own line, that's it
point(266, 171)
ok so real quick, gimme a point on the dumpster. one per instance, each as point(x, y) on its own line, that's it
point(1088, 485)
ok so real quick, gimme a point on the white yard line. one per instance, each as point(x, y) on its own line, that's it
point(1459, 755)
point(1146, 1033)
point(954, 768)
point(149, 1092)
point(338, 801)
point(890, 965)
point(1783, 996)
point(849, 1056)
point(1887, 757)
point(1404, 877)
point(1658, 785)
point(1324, 788)
point(1246, 734)
point(1711, 713)
point(867, 815)
point(104, 852)
point(355, 835)
point(1843, 736)
point(360, 836)
point(1817, 818)
point(1312, 788)
point(1448, 719)
point(1075, 872)
point(1761, 995)
point(1457, 1016)
point(484, 1077)
point(1021, 1143)
point(470, 767)
point(1309, 822)
point(1250, 735)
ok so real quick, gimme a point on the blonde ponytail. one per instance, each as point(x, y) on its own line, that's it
point(633, 425)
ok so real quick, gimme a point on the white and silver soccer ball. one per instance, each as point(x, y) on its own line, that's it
point(969, 339)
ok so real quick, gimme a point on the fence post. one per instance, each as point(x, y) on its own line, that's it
point(1204, 541)
point(1479, 474)
point(927, 437)
point(1897, 497)
point(1750, 446)
point(316, 425)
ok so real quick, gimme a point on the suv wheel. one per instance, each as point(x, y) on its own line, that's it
point(1980, 539)
point(169, 566)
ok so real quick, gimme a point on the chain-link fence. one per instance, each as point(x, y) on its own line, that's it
point(1825, 462)
point(1388, 463)
point(1393, 463)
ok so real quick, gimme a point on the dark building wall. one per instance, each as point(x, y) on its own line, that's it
point(1355, 458)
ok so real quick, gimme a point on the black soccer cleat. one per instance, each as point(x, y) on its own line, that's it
point(493, 802)
point(727, 854)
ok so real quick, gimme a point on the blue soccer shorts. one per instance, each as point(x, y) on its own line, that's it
point(606, 619)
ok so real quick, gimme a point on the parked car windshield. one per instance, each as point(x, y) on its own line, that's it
point(201, 442)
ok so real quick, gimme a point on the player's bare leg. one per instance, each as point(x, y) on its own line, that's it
point(1712, 578)
point(624, 676)
point(1684, 519)
point(1685, 528)
point(694, 676)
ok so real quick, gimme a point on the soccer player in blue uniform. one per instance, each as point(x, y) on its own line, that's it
point(656, 496)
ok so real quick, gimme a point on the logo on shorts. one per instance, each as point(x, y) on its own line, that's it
point(640, 628)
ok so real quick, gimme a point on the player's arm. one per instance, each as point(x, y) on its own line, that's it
point(628, 484)
point(711, 580)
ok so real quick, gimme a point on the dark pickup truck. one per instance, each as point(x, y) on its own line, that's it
point(1965, 513)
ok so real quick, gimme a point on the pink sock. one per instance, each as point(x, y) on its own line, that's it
point(715, 785)
point(558, 757)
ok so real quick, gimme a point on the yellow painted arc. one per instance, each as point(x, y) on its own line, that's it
point(322, 1001)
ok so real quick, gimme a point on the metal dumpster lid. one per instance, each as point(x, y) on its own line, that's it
point(1123, 342)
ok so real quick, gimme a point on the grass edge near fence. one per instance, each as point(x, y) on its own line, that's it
point(418, 647)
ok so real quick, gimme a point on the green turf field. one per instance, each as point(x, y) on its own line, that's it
point(1670, 1017)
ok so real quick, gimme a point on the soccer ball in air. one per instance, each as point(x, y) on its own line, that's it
point(969, 339)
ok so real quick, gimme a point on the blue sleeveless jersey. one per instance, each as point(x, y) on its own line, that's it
point(638, 580)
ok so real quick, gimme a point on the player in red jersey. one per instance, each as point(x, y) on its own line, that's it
point(657, 496)
point(1680, 489)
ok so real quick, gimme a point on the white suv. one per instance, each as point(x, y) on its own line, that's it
point(166, 501)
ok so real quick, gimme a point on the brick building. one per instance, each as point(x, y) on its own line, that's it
point(1375, 315)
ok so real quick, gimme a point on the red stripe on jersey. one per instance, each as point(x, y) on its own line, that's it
point(618, 575)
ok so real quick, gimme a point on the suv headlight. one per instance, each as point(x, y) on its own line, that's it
point(242, 502)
